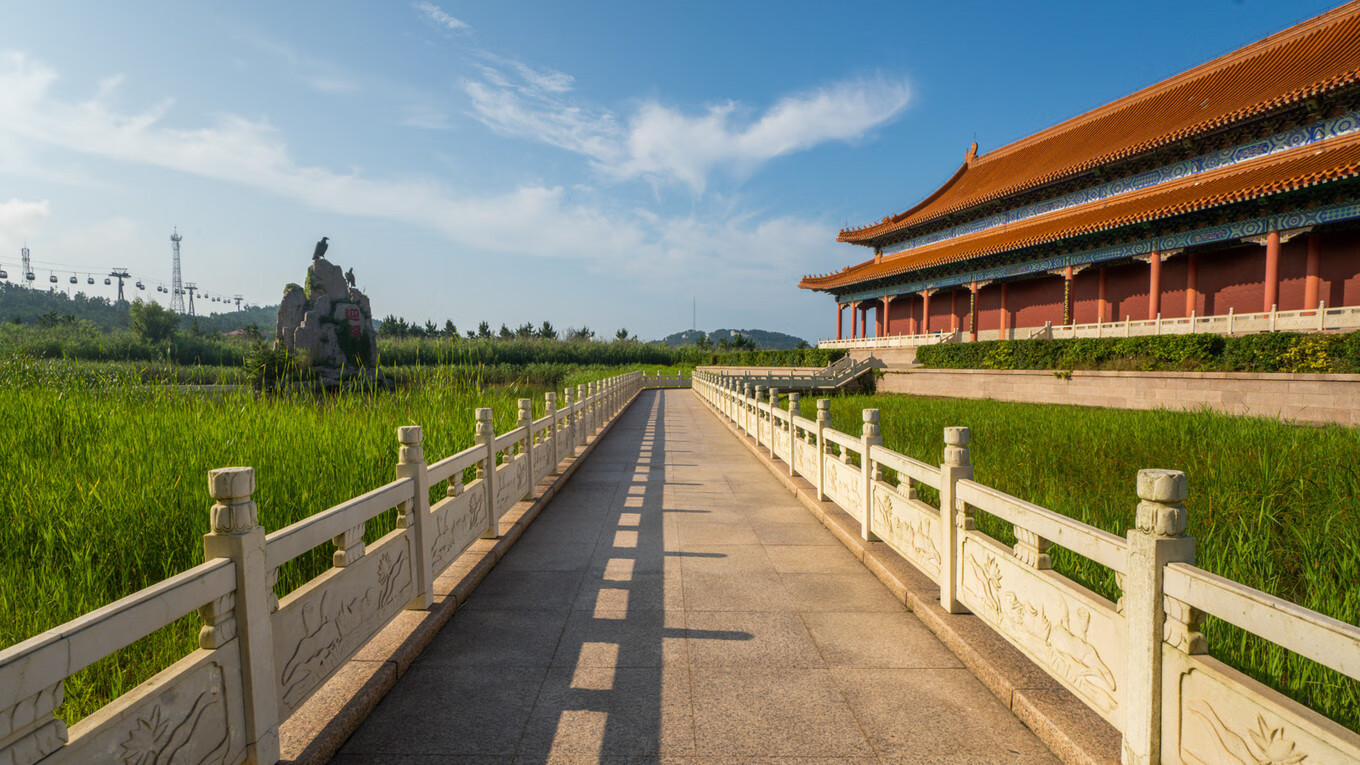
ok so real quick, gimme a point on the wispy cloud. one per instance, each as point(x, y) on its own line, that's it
point(437, 15)
point(663, 144)
point(532, 220)
point(317, 74)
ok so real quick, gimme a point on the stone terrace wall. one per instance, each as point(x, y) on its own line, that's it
point(1312, 398)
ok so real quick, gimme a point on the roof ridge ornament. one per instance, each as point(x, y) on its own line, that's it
point(971, 155)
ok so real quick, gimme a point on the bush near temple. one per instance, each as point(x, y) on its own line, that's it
point(1267, 352)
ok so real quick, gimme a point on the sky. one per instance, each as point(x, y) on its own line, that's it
point(635, 165)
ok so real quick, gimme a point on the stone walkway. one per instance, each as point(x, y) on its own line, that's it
point(675, 603)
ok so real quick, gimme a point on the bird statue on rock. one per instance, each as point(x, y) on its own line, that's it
point(320, 250)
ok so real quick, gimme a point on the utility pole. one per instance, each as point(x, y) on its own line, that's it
point(176, 287)
point(190, 287)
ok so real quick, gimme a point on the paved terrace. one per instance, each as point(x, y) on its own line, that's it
point(676, 602)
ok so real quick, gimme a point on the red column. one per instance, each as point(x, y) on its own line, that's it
point(1005, 316)
point(1067, 295)
point(887, 302)
point(972, 311)
point(1102, 305)
point(925, 312)
point(1312, 280)
point(839, 313)
point(953, 310)
point(854, 321)
point(1272, 270)
point(1155, 284)
point(1191, 283)
point(864, 321)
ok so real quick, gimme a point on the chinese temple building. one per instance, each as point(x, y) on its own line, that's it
point(1231, 188)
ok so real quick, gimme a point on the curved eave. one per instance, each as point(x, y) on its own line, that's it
point(1301, 54)
point(1275, 174)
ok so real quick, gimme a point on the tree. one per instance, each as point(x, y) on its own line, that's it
point(430, 329)
point(151, 322)
point(449, 329)
point(525, 331)
point(484, 331)
point(702, 342)
point(583, 335)
point(546, 331)
point(802, 344)
point(505, 333)
point(472, 334)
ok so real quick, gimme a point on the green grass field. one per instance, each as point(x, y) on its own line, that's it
point(1273, 506)
point(105, 488)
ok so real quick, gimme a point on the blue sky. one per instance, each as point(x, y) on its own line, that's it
point(599, 164)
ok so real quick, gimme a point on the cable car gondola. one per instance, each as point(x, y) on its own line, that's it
point(30, 276)
point(3, 274)
point(90, 280)
point(141, 286)
point(74, 280)
point(107, 282)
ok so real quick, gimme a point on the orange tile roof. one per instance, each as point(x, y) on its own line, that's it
point(1291, 170)
point(1317, 56)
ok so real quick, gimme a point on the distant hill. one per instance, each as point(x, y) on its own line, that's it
point(31, 306)
point(764, 339)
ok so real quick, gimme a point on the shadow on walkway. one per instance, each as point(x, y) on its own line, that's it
point(675, 601)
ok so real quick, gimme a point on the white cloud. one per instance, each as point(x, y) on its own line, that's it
point(662, 144)
point(20, 221)
point(437, 15)
point(724, 256)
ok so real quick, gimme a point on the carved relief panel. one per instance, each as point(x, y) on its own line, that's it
point(910, 527)
point(457, 522)
point(1074, 634)
point(843, 484)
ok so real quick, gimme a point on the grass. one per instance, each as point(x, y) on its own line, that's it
point(105, 484)
point(1273, 506)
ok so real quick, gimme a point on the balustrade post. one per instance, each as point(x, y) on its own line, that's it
point(414, 514)
point(568, 426)
point(823, 422)
point(582, 428)
point(1158, 539)
point(955, 518)
point(526, 421)
point(870, 436)
point(550, 403)
point(759, 396)
point(795, 410)
point(774, 404)
point(236, 534)
point(486, 470)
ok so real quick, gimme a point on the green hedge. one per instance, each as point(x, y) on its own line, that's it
point(803, 357)
point(1269, 352)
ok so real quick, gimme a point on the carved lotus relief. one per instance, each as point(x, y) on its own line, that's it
point(171, 734)
point(1262, 745)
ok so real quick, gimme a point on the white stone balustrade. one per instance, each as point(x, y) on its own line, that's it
point(261, 657)
point(1142, 663)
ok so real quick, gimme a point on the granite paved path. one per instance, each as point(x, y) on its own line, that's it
point(675, 603)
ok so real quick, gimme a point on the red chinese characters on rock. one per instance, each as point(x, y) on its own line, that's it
point(352, 315)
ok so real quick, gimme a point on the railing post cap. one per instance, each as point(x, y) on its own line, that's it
point(409, 434)
point(484, 414)
point(525, 402)
point(231, 483)
point(1166, 487)
point(550, 396)
point(871, 415)
point(956, 436)
point(824, 403)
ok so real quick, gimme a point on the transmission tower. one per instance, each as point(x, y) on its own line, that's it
point(120, 274)
point(28, 267)
point(189, 288)
point(176, 288)
point(238, 302)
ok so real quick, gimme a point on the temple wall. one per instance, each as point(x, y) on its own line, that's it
point(1340, 268)
point(1033, 302)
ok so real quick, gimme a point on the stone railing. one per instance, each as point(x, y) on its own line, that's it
point(260, 657)
point(1141, 663)
point(665, 381)
point(836, 375)
point(1320, 319)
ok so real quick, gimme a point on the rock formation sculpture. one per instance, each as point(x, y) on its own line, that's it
point(328, 326)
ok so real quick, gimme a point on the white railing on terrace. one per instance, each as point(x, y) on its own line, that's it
point(261, 657)
point(839, 373)
point(1320, 319)
point(1142, 663)
point(665, 381)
